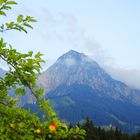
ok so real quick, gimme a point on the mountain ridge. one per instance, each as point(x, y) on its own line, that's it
point(76, 67)
point(79, 87)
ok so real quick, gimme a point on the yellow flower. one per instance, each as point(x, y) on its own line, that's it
point(38, 131)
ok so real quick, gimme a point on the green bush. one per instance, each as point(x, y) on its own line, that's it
point(15, 122)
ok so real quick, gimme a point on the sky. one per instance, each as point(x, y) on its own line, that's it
point(106, 30)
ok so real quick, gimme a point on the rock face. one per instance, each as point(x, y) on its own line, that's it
point(79, 87)
point(77, 68)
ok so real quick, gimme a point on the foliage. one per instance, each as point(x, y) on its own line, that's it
point(17, 123)
point(98, 133)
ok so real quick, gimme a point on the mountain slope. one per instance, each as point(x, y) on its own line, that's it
point(74, 67)
point(79, 87)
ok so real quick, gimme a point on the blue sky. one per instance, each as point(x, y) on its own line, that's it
point(106, 30)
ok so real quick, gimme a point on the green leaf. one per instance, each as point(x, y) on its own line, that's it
point(22, 29)
point(20, 91)
point(30, 53)
point(32, 20)
point(20, 18)
point(11, 2)
point(1, 2)
point(2, 13)
point(10, 25)
point(38, 55)
point(5, 7)
point(28, 25)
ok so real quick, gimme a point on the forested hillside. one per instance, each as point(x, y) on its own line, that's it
point(108, 133)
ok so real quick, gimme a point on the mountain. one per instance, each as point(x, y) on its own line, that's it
point(78, 87)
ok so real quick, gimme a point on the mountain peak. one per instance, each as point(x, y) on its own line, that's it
point(74, 58)
point(72, 51)
point(72, 54)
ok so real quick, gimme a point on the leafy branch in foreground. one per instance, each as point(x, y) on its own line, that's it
point(19, 25)
point(21, 22)
point(15, 122)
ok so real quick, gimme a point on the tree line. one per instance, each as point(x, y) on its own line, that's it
point(98, 133)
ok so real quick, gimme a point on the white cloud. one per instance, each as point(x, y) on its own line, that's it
point(129, 76)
